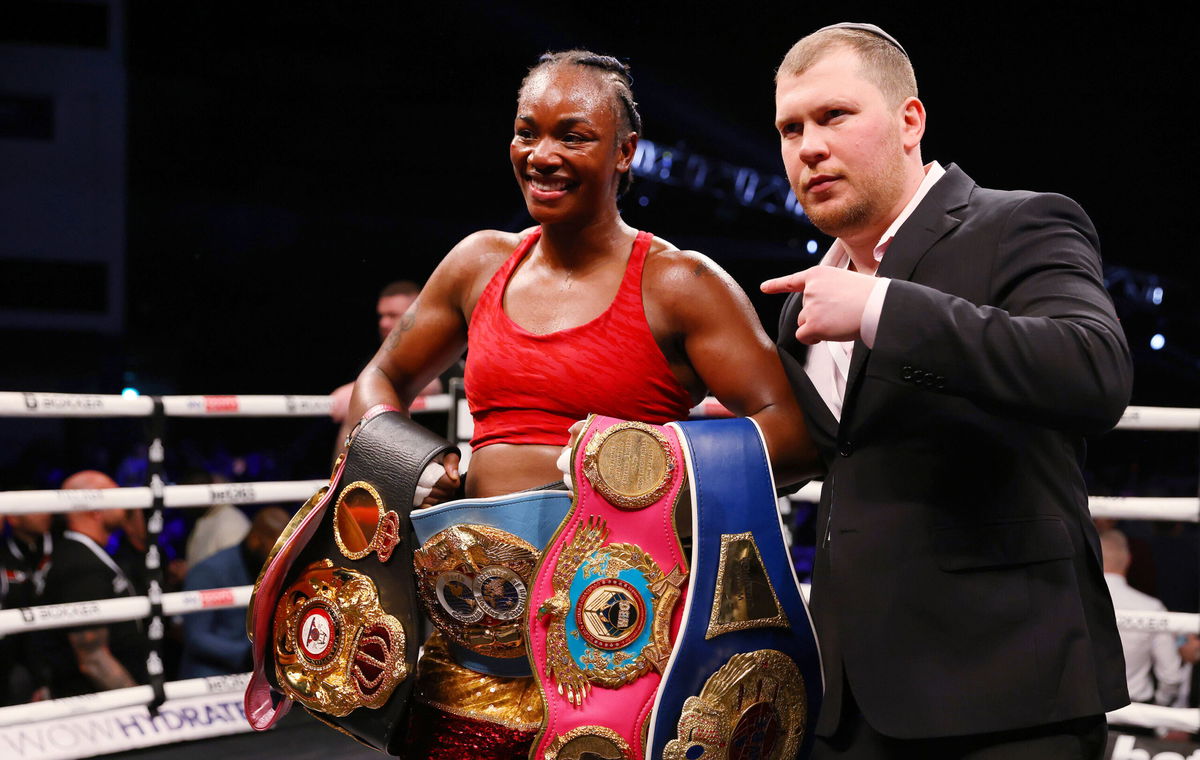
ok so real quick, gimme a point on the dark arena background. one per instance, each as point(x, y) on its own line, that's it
point(205, 197)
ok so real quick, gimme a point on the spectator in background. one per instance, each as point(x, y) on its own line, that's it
point(221, 526)
point(130, 554)
point(394, 300)
point(130, 550)
point(85, 659)
point(25, 556)
point(214, 642)
point(1146, 652)
point(25, 552)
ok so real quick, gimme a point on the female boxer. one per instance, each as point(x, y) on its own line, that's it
point(580, 314)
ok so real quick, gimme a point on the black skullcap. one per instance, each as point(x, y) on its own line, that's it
point(870, 29)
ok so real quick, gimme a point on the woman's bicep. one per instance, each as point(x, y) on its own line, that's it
point(426, 339)
point(727, 346)
point(733, 356)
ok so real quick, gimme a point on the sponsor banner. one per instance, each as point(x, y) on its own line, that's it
point(220, 404)
point(183, 602)
point(73, 613)
point(56, 501)
point(1157, 622)
point(216, 597)
point(124, 729)
point(72, 405)
point(103, 611)
point(247, 406)
point(231, 493)
point(308, 406)
point(1127, 747)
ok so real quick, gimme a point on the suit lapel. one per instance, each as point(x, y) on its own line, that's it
point(930, 222)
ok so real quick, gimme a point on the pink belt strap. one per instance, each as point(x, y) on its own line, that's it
point(606, 602)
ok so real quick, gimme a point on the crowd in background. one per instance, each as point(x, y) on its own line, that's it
point(101, 554)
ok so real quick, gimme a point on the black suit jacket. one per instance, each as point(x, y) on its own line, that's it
point(958, 582)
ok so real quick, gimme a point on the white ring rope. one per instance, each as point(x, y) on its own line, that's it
point(140, 497)
point(20, 404)
point(1149, 621)
point(55, 709)
point(1157, 716)
point(104, 611)
point(1159, 418)
point(1170, 509)
point(102, 405)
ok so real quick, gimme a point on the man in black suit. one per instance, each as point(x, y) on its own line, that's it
point(951, 353)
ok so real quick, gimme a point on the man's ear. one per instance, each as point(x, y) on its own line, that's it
point(913, 117)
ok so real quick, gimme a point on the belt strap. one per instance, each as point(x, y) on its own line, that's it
point(604, 607)
point(344, 565)
point(745, 679)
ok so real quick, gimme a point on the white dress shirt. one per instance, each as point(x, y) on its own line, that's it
point(828, 363)
point(1145, 650)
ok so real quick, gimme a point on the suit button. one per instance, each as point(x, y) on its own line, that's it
point(941, 382)
point(845, 448)
point(907, 373)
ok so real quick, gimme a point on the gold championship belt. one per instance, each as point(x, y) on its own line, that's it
point(336, 649)
point(333, 619)
point(474, 570)
point(473, 582)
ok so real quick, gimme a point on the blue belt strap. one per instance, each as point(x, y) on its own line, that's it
point(733, 493)
point(529, 515)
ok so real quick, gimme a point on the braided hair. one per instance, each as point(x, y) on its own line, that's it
point(616, 74)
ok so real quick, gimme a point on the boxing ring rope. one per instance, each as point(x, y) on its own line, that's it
point(141, 497)
point(101, 405)
point(18, 404)
point(104, 611)
point(1171, 509)
point(23, 404)
point(132, 696)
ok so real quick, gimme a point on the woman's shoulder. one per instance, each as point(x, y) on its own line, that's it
point(479, 255)
point(485, 245)
point(470, 265)
point(685, 290)
point(682, 272)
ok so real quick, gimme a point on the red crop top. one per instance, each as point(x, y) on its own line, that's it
point(526, 388)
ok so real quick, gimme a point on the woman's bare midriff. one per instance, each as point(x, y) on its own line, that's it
point(504, 468)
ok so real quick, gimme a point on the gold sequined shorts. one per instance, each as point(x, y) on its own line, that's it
point(461, 713)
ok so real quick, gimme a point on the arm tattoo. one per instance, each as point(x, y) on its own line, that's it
point(406, 322)
point(96, 661)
